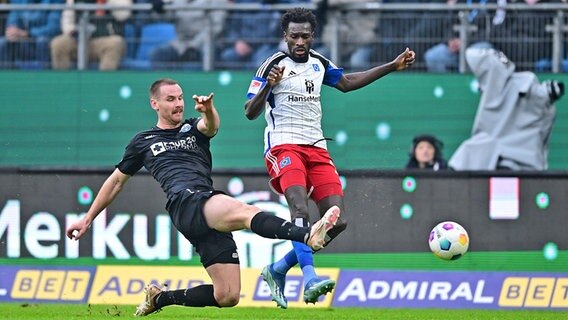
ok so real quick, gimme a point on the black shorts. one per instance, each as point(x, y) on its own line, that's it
point(186, 212)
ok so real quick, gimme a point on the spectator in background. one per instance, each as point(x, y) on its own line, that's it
point(398, 29)
point(505, 30)
point(28, 33)
point(531, 48)
point(444, 57)
point(426, 153)
point(106, 43)
point(250, 36)
point(355, 50)
point(3, 21)
point(191, 32)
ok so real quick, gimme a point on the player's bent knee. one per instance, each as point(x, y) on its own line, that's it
point(228, 299)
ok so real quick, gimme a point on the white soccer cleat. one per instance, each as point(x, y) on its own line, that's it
point(319, 230)
point(276, 284)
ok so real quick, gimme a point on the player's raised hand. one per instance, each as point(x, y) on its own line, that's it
point(210, 119)
point(203, 103)
point(405, 59)
point(275, 75)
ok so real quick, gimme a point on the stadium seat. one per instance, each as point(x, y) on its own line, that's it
point(130, 34)
point(31, 65)
point(151, 36)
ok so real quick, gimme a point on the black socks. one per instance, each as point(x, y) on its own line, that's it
point(270, 226)
point(200, 296)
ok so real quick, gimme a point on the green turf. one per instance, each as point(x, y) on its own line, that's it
point(14, 311)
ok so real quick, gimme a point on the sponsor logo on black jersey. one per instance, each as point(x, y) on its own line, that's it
point(185, 128)
point(157, 148)
point(188, 143)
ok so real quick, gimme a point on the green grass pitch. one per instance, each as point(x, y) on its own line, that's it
point(14, 311)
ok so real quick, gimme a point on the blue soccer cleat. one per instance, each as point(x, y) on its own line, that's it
point(315, 288)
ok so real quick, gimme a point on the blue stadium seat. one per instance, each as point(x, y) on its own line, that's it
point(31, 65)
point(130, 34)
point(151, 36)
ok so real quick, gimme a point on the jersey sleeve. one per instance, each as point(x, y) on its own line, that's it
point(193, 122)
point(255, 86)
point(259, 80)
point(332, 74)
point(132, 160)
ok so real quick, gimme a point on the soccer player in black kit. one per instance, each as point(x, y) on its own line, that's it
point(176, 153)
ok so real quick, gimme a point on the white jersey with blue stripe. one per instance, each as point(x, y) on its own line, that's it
point(293, 110)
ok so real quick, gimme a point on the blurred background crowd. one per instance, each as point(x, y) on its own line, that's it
point(240, 34)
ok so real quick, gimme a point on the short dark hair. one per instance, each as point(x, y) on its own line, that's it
point(298, 15)
point(155, 87)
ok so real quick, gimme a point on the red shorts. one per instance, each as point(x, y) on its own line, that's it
point(303, 165)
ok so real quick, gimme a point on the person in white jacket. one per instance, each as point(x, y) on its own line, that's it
point(514, 117)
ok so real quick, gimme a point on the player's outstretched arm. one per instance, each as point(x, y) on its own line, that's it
point(356, 80)
point(210, 120)
point(108, 191)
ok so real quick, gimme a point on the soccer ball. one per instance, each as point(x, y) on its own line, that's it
point(448, 240)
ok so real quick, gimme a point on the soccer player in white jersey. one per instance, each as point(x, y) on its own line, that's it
point(287, 88)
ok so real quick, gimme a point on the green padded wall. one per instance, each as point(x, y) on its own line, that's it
point(85, 119)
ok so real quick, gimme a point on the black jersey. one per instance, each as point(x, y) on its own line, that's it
point(177, 158)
